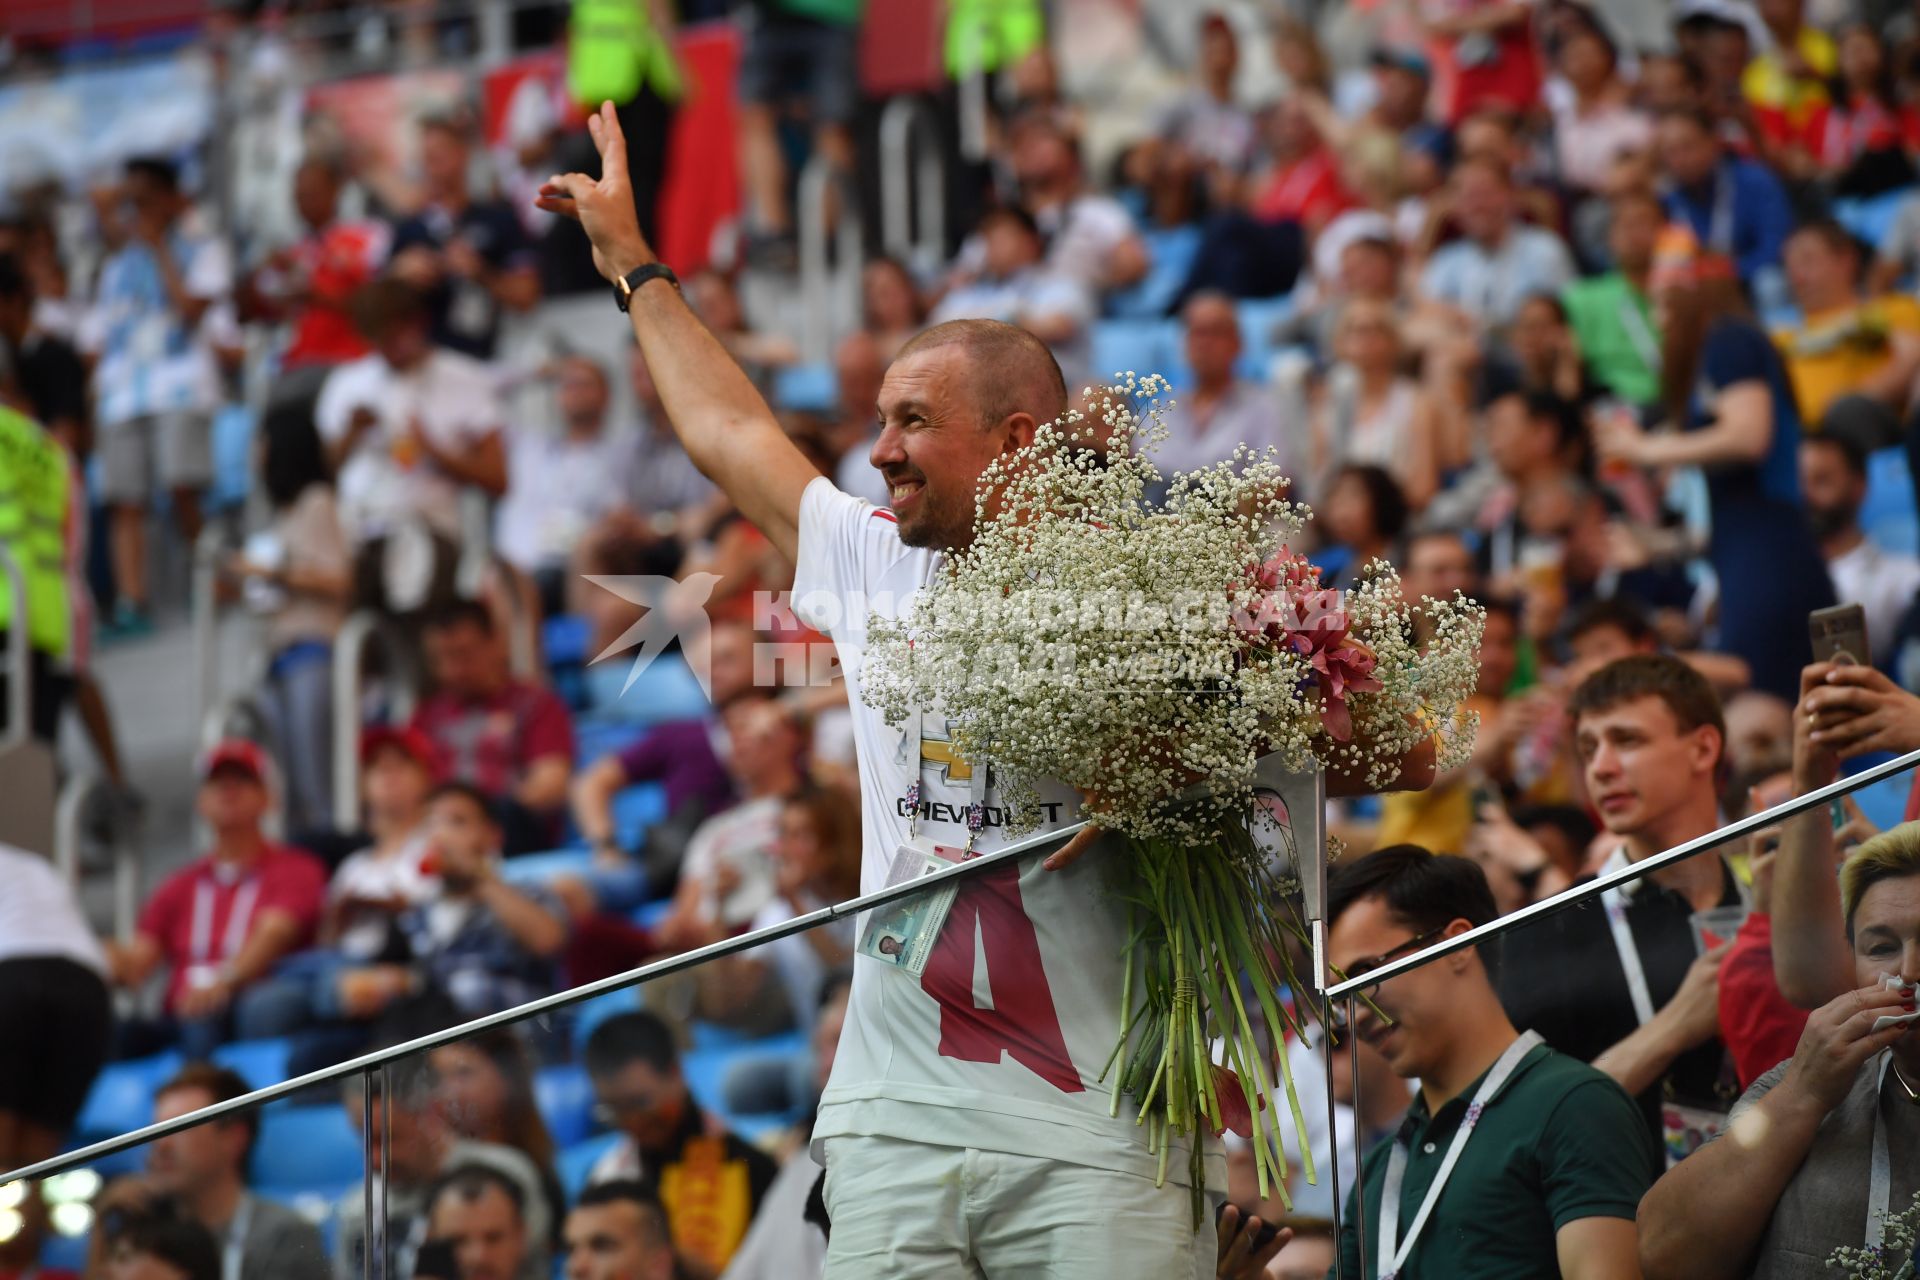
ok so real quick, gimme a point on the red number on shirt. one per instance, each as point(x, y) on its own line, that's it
point(1022, 1023)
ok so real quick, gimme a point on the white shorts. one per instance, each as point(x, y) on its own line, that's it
point(174, 450)
point(903, 1210)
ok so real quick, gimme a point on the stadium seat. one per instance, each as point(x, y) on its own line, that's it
point(259, 1062)
point(589, 1014)
point(649, 914)
point(759, 1128)
point(60, 1253)
point(1884, 804)
point(595, 736)
point(565, 1098)
point(577, 1161)
point(1870, 218)
point(121, 1099)
point(664, 690)
point(806, 388)
point(307, 1146)
point(1888, 516)
point(232, 458)
point(636, 808)
point(1170, 252)
point(544, 868)
point(1142, 346)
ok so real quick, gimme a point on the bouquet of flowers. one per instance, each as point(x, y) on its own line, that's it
point(1894, 1258)
point(1151, 654)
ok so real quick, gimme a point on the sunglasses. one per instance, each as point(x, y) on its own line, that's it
point(1336, 1033)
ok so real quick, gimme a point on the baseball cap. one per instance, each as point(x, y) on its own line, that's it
point(1401, 59)
point(234, 753)
point(404, 738)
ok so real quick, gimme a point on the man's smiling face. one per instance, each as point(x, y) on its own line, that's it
point(933, 446)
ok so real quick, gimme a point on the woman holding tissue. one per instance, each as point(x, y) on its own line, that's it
point(1824, 1149)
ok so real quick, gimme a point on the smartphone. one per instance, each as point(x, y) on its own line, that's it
point(1261, 1238)
point(436, 1261)
point(1840, 634)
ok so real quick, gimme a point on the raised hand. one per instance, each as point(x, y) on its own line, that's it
point(604, 208)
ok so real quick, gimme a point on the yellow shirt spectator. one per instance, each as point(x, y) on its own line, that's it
point(1831, 353)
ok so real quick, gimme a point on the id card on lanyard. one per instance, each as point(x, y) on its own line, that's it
point(203, 967)
point(1394, 1251)
point(1683, 1130)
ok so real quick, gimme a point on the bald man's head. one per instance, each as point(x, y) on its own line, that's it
point(955, 398)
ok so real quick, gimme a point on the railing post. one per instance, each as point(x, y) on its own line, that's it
point(206, 615)
point(829, 290)
point(19, 656)
point(903, 119)
point(349, 651)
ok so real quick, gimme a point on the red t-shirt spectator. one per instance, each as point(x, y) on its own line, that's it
point(334, 262)
point(1498, 68)
point(488, 743)
point(203, 913)
point(1759, 1026)
point(1308, 191)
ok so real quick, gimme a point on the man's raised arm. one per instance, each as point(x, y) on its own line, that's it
point(726, 428)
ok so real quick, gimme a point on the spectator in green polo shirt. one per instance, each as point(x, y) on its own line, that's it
point(1611, 315)
point(1514, 1160)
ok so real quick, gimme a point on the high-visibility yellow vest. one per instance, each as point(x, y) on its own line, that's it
point(34, 491)
point(986, 35)
point(614, 51)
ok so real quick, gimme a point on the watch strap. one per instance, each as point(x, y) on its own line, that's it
point(631, 283)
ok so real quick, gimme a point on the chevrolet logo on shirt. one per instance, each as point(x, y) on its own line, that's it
point(940, 751)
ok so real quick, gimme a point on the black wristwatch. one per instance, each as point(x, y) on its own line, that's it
point(626, 286)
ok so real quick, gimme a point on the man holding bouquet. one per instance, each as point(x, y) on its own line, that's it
point(965, 1128)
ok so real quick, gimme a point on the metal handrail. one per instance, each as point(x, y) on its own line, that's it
point(349, 650)
point(1639, 870)
point(545, 1004)
point(19, 656)
point(899, 122)
point(827, 289)
point(206, 615)
point(973, 96)
point(80, 791)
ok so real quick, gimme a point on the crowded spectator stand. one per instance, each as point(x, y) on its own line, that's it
point(1602, 316)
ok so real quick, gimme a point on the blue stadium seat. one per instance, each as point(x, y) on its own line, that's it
point(564, 639)
point(1870, 218)
point(1142, 346)
point(565, 1098)
point(636, 808)
point(1888, 516)
point(758, 1128)
point(806, 388)
point(544, 868)
point(577, 1161)
point(664, 690)
point(595, 735)
point(1171, 251)
point(122, 1097)
point(63, 1253)
point(1884, 804)
point(650, 914)
point(259, 1062)
point(307, 1146)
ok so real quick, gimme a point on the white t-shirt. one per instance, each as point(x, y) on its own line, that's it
point(38, 916)
point(1884, 583)
point(558, 488)
point(1000, 1045)
point(1082, 236)
point(458, 405)
point(368, 874)
point(743, 838)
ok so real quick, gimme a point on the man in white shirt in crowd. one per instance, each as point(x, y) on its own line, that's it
point(1090, 238)
point(408, 429)
point(1499, 262)
point(1218, 410)
point(1019, 284)
point(983, 1077)
point(1833, 485)
point(560, 485)
point(157, 381)
point(202, 1173)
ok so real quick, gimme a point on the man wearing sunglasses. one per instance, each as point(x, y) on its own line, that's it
point(1514, 1160)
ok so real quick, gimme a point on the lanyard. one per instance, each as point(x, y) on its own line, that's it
point(1615, 900)
point(1720, 228)
point(1880, 1172)
point(1394, 1251)
point(235, 1248)
point(1639, 333)
point(239, 916)
point(976, 782)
